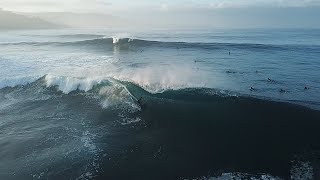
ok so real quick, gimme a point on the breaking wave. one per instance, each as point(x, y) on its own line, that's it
point(119, 91)
point(189, 124)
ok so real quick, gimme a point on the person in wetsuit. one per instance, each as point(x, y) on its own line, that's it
point(140, 101)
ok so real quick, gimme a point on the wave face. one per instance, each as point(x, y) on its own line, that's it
point(159, 105)
point(203, 130)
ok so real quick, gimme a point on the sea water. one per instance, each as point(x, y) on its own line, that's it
point(221, 103)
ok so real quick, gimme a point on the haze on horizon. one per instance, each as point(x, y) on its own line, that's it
point(174, 13)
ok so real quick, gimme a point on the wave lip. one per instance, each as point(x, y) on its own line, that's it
point(108, 91)
point(69, 84)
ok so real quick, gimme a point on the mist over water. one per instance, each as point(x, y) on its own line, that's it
point(225, 103)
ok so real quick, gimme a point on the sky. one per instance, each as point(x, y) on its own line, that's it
point(125, 5)
point(213, 13)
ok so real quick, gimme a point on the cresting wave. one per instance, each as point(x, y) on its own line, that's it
point(111, 91)
point(68, 85)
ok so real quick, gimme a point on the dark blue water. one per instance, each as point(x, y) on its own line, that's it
point(214, 103)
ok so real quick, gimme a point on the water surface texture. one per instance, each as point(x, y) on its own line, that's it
point(160, 104)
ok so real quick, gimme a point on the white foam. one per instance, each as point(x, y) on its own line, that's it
point(156, 79)
point(87, 142)
point(127, 121)
point(117, 37)
point(239, 176)
point(115, 40)
point(301, 171)
point(69, 84)
point(109, 94)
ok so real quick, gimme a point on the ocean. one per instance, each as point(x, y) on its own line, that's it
point(160, 104)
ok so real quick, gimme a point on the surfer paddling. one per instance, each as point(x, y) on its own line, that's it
point(282, 91)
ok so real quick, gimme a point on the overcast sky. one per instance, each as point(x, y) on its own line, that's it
point(216, 13)
point(121, 5)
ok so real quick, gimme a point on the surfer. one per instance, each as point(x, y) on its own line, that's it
point(139, 101)
point(282, 91)
point(271, 80)
point(142, 105)
point(252, 89)
point(229, 53)
point(230, 72)
point(306, 88)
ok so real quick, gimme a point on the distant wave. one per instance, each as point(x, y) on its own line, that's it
point(141, 43)
point(99, 40)
point(84, 36)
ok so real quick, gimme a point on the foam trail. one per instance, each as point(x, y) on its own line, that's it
point(116, 94)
